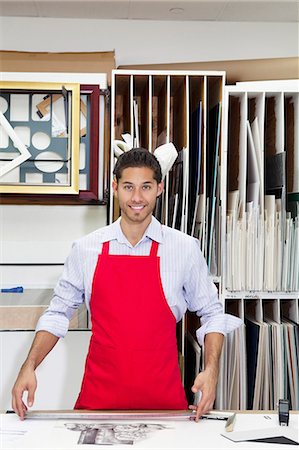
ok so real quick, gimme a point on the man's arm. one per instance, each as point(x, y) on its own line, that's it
point(68, 296)
point(26, 380)
point(206, 381)
point(202, 297)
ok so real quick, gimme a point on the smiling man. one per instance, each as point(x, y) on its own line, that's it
point(138, 278)
point(137, 191)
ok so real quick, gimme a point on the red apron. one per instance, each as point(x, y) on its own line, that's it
point(132, 362)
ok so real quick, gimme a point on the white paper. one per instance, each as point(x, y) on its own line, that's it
point(24, 152)
point(253, 173)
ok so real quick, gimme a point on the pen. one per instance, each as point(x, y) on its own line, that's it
point(205, 416)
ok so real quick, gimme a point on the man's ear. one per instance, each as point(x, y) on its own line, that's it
point(114, 187)
point(160, 188)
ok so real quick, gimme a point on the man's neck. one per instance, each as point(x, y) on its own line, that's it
point(134, 231)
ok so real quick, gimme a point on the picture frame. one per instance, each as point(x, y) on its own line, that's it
point(92, 128)
point(40, 170)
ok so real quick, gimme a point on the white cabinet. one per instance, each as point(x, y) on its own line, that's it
point(59, 375)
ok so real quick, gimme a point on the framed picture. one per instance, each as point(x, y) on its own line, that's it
point(39, 137)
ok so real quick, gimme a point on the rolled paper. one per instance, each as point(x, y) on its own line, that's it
point(128, 140)
point(119, 147)
point(166, 154)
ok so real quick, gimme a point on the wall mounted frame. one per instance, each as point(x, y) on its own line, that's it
point(93, 190)
point(40, 174)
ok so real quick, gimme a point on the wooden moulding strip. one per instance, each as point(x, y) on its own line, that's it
point(45, 104)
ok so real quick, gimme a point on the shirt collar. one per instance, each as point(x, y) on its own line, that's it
point(114, 231)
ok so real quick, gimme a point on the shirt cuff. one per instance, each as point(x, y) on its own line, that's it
point(222, 323)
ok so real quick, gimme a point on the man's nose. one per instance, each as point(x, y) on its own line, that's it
point(137, 195)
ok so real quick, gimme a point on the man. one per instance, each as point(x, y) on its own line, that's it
point(137, 278)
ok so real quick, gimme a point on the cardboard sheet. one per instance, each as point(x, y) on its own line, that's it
point(98, 62)
point(238, 70)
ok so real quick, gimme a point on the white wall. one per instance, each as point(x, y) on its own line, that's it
point(44, 234)
point(40, 234)
point(140, 42)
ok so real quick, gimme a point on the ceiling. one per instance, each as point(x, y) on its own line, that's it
point(196, 10)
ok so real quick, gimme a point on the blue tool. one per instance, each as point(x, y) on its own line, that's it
point(18, 290)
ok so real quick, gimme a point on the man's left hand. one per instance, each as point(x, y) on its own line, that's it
point(206, 383)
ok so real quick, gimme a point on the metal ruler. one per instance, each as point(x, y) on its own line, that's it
point(149, 415)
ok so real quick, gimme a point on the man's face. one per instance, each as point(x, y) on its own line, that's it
point(137, 191)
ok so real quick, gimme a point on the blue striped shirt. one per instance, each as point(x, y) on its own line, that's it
point(184, 275)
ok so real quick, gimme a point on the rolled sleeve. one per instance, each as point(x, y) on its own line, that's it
point(202, 298)
point(68, 296)
point(220, 323)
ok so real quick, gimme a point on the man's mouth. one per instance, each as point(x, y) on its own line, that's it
point(137, 207)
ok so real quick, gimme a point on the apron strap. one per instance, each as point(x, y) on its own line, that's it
point(154, 248)
point(105, 248)
point(153, 252)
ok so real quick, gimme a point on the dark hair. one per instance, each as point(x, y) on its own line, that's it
point(138, 157)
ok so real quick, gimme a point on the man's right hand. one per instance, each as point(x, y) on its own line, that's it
point(26, 381)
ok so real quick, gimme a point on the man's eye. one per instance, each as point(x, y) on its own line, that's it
point(128, 188)
point(146, 188)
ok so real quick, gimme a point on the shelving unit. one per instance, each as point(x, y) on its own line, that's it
point(176, 107)
point(260, 245)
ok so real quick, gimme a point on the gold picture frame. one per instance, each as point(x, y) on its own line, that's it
point(22, 154)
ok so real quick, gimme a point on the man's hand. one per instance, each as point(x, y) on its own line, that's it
point(206, 383)
point(26, 381)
